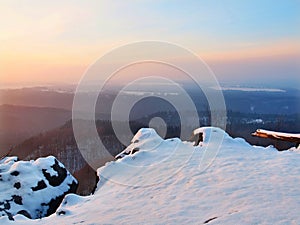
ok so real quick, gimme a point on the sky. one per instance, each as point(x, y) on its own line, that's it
point(45, 42)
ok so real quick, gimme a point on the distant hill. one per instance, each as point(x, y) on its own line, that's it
point(238, 100)
point(37, 97)
point(261, 102)
point(21, 122)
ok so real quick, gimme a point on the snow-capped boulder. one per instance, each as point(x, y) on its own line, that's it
point(205, 135)
point(145, 138)
point(33, 188)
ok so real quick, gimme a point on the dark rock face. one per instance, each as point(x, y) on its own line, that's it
point(40, 185)
point(197, 138)
point(55, 202)
point(56, 180)
point(15, 173)
point(34, 189)
point(17, 185)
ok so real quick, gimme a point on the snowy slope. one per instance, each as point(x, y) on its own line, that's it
point(164, 182)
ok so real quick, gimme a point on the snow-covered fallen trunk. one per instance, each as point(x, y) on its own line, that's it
point(277, 135)
point(33, 188)
point(164, 182)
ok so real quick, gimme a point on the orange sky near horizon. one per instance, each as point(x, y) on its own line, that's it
point(69, 66)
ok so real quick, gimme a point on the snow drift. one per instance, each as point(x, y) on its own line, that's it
point(158, 181)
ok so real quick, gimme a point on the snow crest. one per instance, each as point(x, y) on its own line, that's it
point(162, 183)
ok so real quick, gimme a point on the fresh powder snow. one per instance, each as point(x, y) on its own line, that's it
point(157, 181)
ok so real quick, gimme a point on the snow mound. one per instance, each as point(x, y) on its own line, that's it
point(210, 135)
point(33, 188)
point(145, 138)
point(163, 183)
point(143, 158)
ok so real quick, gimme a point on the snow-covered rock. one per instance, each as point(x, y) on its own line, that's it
point(33, 188)
point(145, 138)
point(164, 182)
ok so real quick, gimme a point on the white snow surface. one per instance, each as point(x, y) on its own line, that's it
point(164, 183)
point(23, 186)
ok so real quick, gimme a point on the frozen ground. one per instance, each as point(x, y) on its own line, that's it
point(172, 182)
